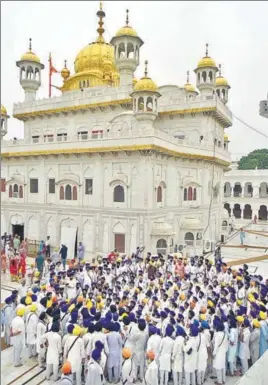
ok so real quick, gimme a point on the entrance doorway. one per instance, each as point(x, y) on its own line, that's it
point(19, 230)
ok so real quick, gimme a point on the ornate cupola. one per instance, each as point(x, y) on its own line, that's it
point(30, 73)
point(222, 87)
point(127, 45)
point(145, 96)
point(206, 75)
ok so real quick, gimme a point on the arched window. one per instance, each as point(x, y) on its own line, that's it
point(149, 104)
point(140, 104)
point(204, 76)
point(37, 75)
point(210, 75)
point(190, 194)
point(194, 196)
point(130, 51)
point(161, 244)
point(189, 239)
point(68, 192)
point(61, 192)
point(21, 192)
point(10, 191)
point(223, 94)
point(185, 194)
point(218, 92)
point(159, 194)
point(198, 77)
point(119, 194)
point(121, 51)
point(74, 193)
point(15, 188)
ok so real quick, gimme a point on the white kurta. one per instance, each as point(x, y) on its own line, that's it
point(40, 331)
point(166, 347)
point(74, 352)
point(126, 372)
point(94, 374)
point(202, 353)
point(17, 325)
point(220, 349)
point(54, 347)
point(31, 328)
point(151, 374)
point(177, 354)
point(190, 360)
point(154, 344)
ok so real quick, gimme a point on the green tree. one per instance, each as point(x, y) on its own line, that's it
point(256, 158)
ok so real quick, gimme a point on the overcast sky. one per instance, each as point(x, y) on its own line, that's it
point(174, 35)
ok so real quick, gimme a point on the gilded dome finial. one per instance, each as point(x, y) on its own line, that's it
point(146, 68)
point(100, 29)
point(219, 69)
point(127, 20)
point(30, 44)
point(207, 49)
point(187, 79)
point(65, 63)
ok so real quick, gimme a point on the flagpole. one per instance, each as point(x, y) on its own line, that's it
point(50, 74)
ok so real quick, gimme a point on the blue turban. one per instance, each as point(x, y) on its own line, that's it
point(169, 330)
point(8, 300)
point(70, 328)
point(85, 312)
point(196, 322)
point(131, 317)
point(163, 314)
point(64, 308)
point(96, 354)
point(194, 330)
point(74, 316)
point(152, 329)
point(204, 325)
point(91, 328)
point(117, 327)
point(86, 322)
point(246, 323)
point(115, 317)
point(180, 331)
point(99, 345)
point(108, 316)
point(55, 327)
point(93, 310)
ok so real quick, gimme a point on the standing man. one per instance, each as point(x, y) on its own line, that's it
point(17, 334)
point(16, 242)
point(242, 236)
point(95, 372)
point(80, 251)
point(39, 261)
point(63, 254)
point(48, 247)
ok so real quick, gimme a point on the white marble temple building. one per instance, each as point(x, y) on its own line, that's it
point(115, 161)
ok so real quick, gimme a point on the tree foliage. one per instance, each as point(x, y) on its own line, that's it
point(256, 158)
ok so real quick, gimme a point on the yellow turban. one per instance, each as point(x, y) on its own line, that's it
point(43, 287)
point(182, 296)
point(28, 300)
point(100, 306)
point(210, 303)
point(239, 318)
point(137, 290)
point(124, 315)
point(262, 315)
point(239, 302)
point(203, 317)
point(20, 311)
point(89, 304)
point(119, 260)
point(145, 300)
point(256, 323)
point(36, 274)
point(49, 303)
point(157, 303)
point(239, 278)
point(77, 331)
point(33, 307)
point(71, 308)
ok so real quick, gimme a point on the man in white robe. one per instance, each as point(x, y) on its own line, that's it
point(31, 323)
point(17, 334)
point(74, 352)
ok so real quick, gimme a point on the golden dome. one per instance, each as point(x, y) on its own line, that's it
point(188, 86)
point(206, 61)
point(95, 63)
point(226, 138)
point(220, 80)
point(126, 30)
point(145, 83)
point(3, 110)
point(65, 72)
point(30, 56)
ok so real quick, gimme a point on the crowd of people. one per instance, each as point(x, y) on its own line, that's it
point(149, 318)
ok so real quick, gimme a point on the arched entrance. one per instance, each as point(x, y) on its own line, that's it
point(161, 246)
point(237, 211)
point(248, 191)
point(247, 214)
point(227, 189)
point(263, 215)
point(263, 190)
point(227, 207)
point(237, 190)
point(189, 239)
